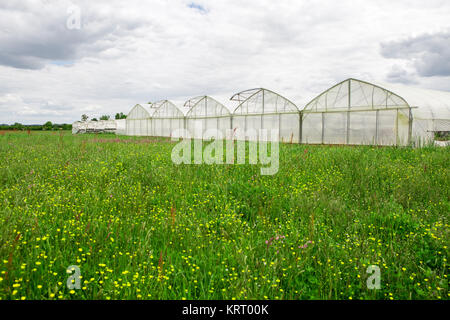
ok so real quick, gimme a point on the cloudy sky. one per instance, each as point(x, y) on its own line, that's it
point(60, 59)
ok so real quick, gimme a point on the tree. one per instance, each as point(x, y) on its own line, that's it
point(48, 125)
point(105, 117)
point(120, 116)
point(18, 126)
point(84, 117)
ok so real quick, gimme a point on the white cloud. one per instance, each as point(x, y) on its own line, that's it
point(134, 51)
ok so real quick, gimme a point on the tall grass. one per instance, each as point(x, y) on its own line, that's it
point(140, 227)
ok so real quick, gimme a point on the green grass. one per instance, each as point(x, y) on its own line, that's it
point(140, 227)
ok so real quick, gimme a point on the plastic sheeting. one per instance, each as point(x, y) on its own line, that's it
point(94, 126)
point(166, 119)
point(264, 109)
point(359, 112)
point(137, 121)
point(207, 118)
point(351, 112)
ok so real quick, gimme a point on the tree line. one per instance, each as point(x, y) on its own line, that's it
point(118, 116)
point(55, 126)
point(36, 127)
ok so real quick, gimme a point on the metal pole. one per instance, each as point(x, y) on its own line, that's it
point(279, 127)
point(323, 127)
point(347, 136)
point(376, 126)
point(300, 129)
point(262, 114)
point(410, 126)
point(245, 127)
point(396, 129)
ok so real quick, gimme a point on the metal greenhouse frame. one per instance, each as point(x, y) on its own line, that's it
point(351, 112)
point(137, 123)
point(359, 112)
point(206, 113)
point(100, 126)
point(261, 108)
point(166, 118)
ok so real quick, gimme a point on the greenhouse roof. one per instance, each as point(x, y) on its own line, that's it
point(138, 112)
point(430, 104)
point(166, 109)
point(205, 106)
point(262, 101)
point(357, 94)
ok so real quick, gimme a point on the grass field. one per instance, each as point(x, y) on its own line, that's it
point(140, 227)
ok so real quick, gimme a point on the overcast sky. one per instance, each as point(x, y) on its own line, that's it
point(60, 59)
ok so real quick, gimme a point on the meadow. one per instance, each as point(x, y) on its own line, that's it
point(140, 227)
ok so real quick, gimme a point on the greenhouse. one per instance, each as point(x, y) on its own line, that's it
point(137, 122)
point(264, 109)
point(166, 119)
point(206, 113)
point(351, 112)
point(359, 112)
point(95, 126)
